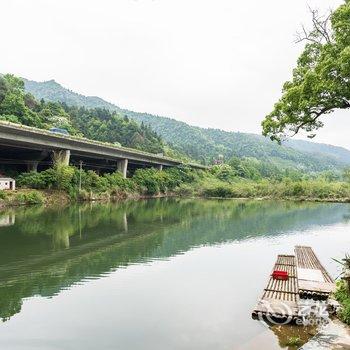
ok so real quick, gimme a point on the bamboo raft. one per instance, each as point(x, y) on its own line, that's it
point(307, 278)
point(280, 298)
point(313, 279)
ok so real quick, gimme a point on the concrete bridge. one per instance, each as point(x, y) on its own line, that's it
point(32, 147)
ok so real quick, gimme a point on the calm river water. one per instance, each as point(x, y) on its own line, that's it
point(156, 274)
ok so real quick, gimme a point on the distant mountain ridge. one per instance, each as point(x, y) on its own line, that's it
point(207, 144)
point(340, 153)
point(52, 91)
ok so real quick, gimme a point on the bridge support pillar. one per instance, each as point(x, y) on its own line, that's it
point(32, 166)
point(122, 166)
point(61, 157)
point(160, 167)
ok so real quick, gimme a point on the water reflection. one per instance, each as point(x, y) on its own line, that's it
point(43, 251)
point(7, 219)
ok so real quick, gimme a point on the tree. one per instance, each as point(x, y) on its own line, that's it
point(101, 124)
point(321, 80)
point(346, 174)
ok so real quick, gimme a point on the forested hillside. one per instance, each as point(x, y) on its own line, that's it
point(19, 106)
point(52, 91)
point(208, 145)
point(340, 153)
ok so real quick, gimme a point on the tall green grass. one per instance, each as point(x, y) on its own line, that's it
point(307, 189)
point(183, 182)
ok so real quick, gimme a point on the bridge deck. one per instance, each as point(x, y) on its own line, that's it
point(20, 136)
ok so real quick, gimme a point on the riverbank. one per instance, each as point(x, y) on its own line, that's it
point(334, 336)
point(68, 184)
point(27, 196)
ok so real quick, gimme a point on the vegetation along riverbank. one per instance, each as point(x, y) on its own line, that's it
point(62, 184)
point(342, 293)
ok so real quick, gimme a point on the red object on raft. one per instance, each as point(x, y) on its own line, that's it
point(280, 275)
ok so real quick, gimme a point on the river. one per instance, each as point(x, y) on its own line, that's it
point(153, 274)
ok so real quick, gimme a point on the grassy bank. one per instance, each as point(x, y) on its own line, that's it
point(317, 189)
point(25, 196)
point(69, 184)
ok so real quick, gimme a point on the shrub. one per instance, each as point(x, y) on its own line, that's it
point(343, 296)
point(184, 174)
point(91, 181)
point(83, 195)
point(58, 178)
point(297, 189)
point(184, 190)
point(221, 190)
point(293, 341)
point(152, 181)
point(63, 178)
point(3, 194)
point(116, 180)
point(32, 197)
point(147, 180)
point(63, 175)
point(32, 180)
point(223, 172)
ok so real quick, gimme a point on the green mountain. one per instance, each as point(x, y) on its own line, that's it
point(52, 91)
point(340, 153)
point(206, 145)
point(102, 124)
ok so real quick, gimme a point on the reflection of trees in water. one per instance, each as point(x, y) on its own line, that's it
point(50, 249)
point(10, 301)
point(346, 216)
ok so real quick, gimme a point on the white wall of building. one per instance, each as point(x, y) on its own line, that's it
point(6, 184)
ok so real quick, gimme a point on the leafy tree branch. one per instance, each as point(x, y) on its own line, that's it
point(321, 81)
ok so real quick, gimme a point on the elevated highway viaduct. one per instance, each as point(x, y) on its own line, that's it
point(34, 148)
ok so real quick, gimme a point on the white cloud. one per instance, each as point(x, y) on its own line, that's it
point(209, 63)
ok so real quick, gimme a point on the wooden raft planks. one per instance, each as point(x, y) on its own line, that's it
point(306, 259)
point(280, 297)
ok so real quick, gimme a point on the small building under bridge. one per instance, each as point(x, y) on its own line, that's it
point(6, 183)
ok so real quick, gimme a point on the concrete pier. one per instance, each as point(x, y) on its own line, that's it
point(61, 157)
point(32, 166)
point(122, 166)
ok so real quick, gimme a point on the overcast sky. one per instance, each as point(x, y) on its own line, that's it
point(218, 63)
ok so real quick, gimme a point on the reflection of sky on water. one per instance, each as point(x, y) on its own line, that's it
point(198, 299)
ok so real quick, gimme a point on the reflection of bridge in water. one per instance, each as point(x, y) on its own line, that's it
point(47, 250)
point(7, 219)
